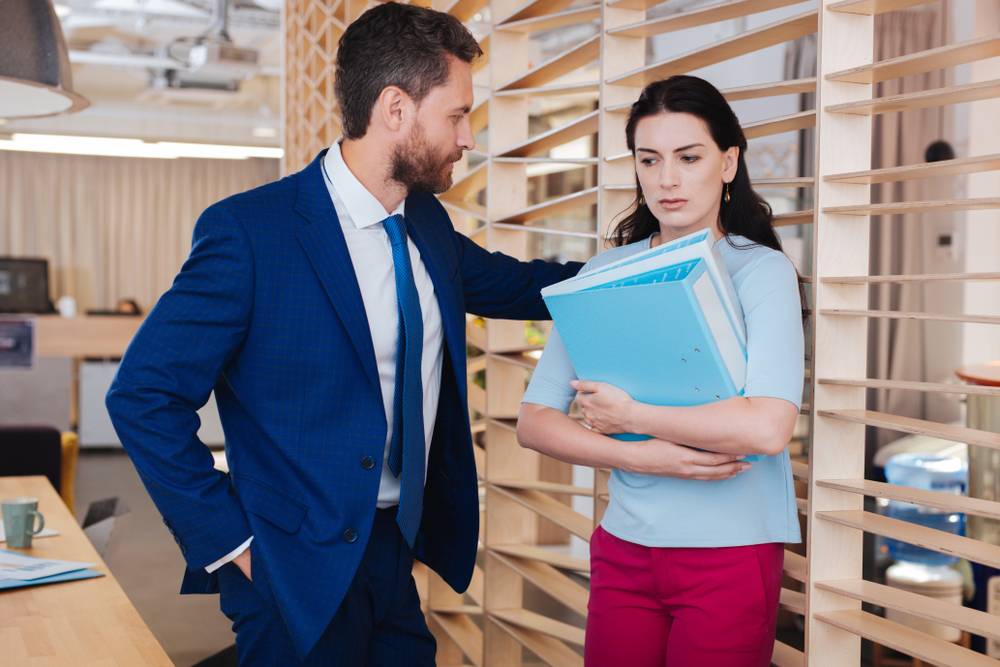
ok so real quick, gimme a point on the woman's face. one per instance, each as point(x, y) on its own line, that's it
point(681, 172)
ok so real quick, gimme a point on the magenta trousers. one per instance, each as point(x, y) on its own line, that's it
point(681, 607)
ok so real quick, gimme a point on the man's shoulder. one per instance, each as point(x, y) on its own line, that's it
point(279, 194)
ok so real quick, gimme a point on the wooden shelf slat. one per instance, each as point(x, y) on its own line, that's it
point(468, 609)
point(747, 42)
point(466, 208)
point(475, 335)
point(774, 89)
point(569, 88)
point(533, 9)
point(756, 91)
point(478, 586)
point(943, 501)
point(576, 161)
point(948, 613)
point(552, 207)
point(956, 167)
point(554, 558)
point(547, 231)
point(786, 656)
point(529, 620)
point(872, 7)
point(693, 18)
point(522, 359)
point(793, 218)
point(549, 649)
point(559, 65)
point(464, 10)
point(930, 60)
point(470, 183)
point(966, 92)
point(465, 633)
point(907, 385)
point(549, 508)
point(800, 470)
point(929, 317)
point(917, 426)
point(571, 16)
point(790, 182)
point(921, 536)
point(793, 601)
point(914, 207)
point(904, 638)
point(479, 117)
point(557, 136)
point(545, 487)
point(796, 566)
point(550, 580)
point(482, 61)
point(800, 120)
point(908, 277)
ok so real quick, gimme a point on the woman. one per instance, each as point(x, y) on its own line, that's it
point(686, 564)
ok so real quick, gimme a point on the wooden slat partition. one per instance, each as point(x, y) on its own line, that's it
point(528, 520)
point(902, 638)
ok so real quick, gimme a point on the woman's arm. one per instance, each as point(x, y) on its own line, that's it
point(761, 421)
point(552, 432)
point(739, 425)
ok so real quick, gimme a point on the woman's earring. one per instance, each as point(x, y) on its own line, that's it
point(725, 194)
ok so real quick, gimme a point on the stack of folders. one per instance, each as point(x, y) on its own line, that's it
point(17, 570)
point(665, 325)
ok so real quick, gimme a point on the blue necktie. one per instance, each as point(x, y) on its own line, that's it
point(407, 447)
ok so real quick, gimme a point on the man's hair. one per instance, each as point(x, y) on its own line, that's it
point(395, 45)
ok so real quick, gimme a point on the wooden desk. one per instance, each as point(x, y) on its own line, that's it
point(79, 337)
point(88, 622)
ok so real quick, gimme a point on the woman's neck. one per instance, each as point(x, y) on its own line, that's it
point(668, 234)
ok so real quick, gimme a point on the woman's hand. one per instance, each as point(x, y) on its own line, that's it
point(667, 459)
point(606, 408)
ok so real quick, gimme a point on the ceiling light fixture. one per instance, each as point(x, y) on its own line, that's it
point(35, 77)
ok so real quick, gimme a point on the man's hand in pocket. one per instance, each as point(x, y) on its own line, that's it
point(243, 562)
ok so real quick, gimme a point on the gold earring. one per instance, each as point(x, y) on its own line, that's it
point(725, 195)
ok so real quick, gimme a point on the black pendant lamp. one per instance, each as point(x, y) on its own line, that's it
point(35, 76)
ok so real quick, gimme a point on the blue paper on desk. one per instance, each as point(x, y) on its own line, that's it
point(17, 570)
point(664, 335)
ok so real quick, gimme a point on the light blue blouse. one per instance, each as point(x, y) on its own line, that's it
point(756, 506)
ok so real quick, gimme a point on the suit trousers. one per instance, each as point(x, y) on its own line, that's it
point(379, 623)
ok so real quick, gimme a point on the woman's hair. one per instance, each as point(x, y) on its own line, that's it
point(746, 213)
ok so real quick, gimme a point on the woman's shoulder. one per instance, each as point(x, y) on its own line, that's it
point(744, 258)
point(614, 254)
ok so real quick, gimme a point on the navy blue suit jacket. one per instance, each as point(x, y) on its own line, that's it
point(267, 312)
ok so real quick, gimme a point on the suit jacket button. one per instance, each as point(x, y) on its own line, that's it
point(350, 536)
point(367, 463)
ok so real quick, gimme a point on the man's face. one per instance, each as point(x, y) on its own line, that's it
point(439, 134)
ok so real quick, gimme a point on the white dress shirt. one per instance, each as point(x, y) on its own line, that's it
point(361, 217)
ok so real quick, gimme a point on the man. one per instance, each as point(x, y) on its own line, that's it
point(327, 311)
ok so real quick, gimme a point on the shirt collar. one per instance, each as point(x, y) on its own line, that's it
point(363, 208)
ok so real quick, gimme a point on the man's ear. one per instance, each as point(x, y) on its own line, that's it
point(392, 109)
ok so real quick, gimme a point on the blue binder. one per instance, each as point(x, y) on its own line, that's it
point(663, 336)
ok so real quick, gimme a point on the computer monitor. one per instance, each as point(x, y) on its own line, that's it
point(24, 285)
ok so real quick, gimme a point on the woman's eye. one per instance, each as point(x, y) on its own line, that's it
point(647, 161)
point(690, 158)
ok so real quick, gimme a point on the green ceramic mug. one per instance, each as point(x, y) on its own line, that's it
point(20, 516)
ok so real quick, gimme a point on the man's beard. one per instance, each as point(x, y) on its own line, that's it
point(417, 166)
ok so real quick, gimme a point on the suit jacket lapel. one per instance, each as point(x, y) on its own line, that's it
point(419, 226)
point(322, 239)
